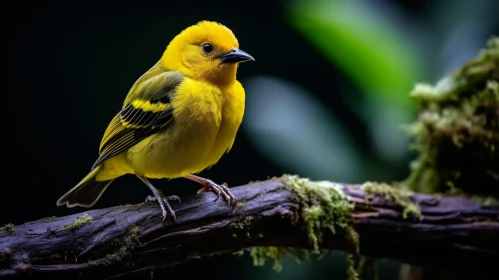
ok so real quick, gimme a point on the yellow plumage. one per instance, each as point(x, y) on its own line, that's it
point(178, 119)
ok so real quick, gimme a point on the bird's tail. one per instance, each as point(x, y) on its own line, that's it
point(87, 192)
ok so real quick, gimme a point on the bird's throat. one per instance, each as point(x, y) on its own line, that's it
point(225, 75)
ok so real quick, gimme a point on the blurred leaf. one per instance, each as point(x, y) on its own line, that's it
point(373, 51)
point(292, 128)
point(365, 44)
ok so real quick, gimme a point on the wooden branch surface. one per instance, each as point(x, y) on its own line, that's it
point(455, 232)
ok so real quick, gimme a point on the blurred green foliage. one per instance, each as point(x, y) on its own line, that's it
point(371, 49)
point(377, 56)
point(293, 129)
point(375, 53)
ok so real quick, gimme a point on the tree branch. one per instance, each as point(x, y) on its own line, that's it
point(453, 231)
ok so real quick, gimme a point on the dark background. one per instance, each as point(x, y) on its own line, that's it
point(316, 101)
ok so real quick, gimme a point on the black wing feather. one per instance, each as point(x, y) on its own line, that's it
point(133, 123)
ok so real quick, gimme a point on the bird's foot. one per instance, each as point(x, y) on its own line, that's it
point(222, 189)
point(161, 199)
point(164, 204)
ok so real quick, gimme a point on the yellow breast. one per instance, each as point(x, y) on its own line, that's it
point(206, 120)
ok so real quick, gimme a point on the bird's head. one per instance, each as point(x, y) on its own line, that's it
point(206, 51)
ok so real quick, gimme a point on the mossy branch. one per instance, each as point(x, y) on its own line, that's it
point(456, 137)
point(272, 218)
point(456, 132)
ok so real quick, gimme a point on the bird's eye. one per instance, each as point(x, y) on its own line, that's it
point(207, 48)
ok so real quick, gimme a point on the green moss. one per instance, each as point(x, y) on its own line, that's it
point(240, 204)
point(398, 196)
point(78, 222)
point(353, 238)
point(124, 245)
point(49, 219)
point(244, 224)
point(458, 127)
point(242, 228)
point(324, 207)
point(351, 272)
point(239, 253)
point(486, 200)
point(8, 228)
point(260, 255)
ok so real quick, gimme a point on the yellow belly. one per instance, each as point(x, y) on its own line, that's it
point(205, 125)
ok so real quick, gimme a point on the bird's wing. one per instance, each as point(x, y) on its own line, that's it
point(147, 110)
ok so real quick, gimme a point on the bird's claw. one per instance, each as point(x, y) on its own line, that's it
point(222, 189)
point(163, 203)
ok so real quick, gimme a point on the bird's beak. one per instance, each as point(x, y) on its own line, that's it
point(235, 56)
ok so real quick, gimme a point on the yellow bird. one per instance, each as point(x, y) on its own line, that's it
point(178, 119)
